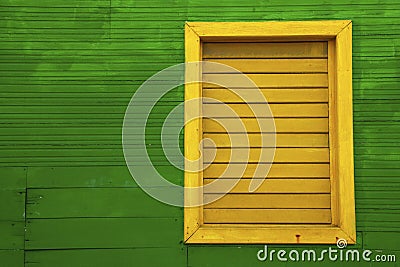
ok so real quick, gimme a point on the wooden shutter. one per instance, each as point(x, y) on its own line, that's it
point(293, 76)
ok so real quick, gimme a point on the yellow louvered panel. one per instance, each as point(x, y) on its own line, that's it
point(293, 78)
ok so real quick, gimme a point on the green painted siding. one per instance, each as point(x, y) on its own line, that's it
point(67, 72)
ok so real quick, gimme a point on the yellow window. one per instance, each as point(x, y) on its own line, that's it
point(303, 69)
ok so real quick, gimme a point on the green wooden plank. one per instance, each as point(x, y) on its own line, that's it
point(225, 255)
point(208, 256)
point(358, 65)
point(382, 240)
point(151, 257)
point(88, 108)
point(373, 203)
point(90, 176)
point(97, 202)
point(42, 177)
point(12, 205)
point(381, 220)
point(377, 227)
point(56, 3)
point(12, 258)
point(12, 235)
point(103, 233)
point(156, 154)
point(13, 178)
point(112, 141)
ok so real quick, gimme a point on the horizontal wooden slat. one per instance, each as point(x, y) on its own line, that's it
point(282, 155)
point(104, 233)
point(166, 256)
point(269, 201)
point(309, 125)
point(93, 202)
point(261, 110)
point(265, 80)
point(268, 65)
point(282, 140)
point(265, 50)
point(299, 125)
point(271, 95)
point(270, 186)
point(267, 216)
point(276, 171)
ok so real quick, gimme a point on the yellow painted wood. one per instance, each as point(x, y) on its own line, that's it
point(193, 215)
point(333, 131)
point(304, 31)
point(265, 234)
point(269, 65)
point(267, 216)
point(345, 158)
point(286, 125)
point(282, 155)
point(248, 30)
point(269, 201)
point(276, 171)
point(263, 50)
point(266, 80)
point(261, 110)
point(299, 95)
point(282, 140)
point(271, 186)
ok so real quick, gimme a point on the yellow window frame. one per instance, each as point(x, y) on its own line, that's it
point(339, 36)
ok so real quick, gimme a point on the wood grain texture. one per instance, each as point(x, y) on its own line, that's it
point(321, 29)
point(269, 65)
point(345, 157)
point(260, 110)
point(282, 125)
point(193, 134)
point(56, 55)
point(267, 216)
point(170, 256)
point(268, 201)
point(277, 170)
point(324, 235)
point(272, 186)
point(254, 155)
point(240, 205)
point(89, 233)
point(267, 140)
point(265, 50)
point(266, 80)
point(270, 95)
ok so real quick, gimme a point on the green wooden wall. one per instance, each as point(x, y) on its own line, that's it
point(67, 71)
